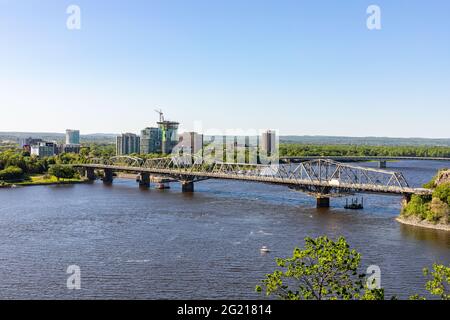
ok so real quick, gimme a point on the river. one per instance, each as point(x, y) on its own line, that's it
point(135, 243)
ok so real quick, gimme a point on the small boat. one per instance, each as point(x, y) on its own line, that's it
point(354, 205)
point(162, 186)
point(264, 249)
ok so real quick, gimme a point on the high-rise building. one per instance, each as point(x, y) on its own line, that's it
point(30, 141)
point(127, 143)
point(190, 142)
point(69, 148)
point(44, 149)
point(72, 136)
point(151, 140)
point(268, 142)
point(169, 135)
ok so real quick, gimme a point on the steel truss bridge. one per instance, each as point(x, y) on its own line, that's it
point(381, 159)
point(323, 178)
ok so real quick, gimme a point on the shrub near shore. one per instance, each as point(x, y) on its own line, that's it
point(435, 208)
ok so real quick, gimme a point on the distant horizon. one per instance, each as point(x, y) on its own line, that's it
point(281, 135)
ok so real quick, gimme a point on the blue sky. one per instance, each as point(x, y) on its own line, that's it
point(303, 67)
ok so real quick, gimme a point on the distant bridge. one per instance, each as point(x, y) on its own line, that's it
point(381, 159)
point(323, 178)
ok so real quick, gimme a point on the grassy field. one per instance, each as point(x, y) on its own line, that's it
point(43, 179)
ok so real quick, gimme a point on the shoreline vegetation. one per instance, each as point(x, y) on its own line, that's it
point(432, 212)
point(42, 180)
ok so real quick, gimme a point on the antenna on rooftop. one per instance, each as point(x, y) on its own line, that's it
point(161, 115)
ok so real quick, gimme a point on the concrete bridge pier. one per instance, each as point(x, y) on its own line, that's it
point(382, 164)
point(187, 186)
point(323, 202)
point(144, 180)
point(108, 177)
point(89, 173)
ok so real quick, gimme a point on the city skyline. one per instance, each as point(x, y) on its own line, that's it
point(304, 68)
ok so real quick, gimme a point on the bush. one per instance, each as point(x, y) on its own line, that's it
point(418, 206)
point(62, 171)
point(11, 173)
point(439, 210)
point(442, 192)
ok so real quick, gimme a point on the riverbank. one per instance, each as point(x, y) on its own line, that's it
point(429, 211)
point(43, 181)
point(416, 222)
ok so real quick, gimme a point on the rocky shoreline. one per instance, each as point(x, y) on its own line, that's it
point(413, 221)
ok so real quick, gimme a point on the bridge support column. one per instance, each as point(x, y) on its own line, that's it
point(406, 199)
point(382, 164)
point(144, 180)
point(90, 174)
point(108, 177)
point(323, 202)
point(187, 186)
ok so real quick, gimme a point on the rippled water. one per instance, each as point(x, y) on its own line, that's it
point(134, 243)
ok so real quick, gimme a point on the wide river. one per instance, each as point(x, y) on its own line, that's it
point(134, 243)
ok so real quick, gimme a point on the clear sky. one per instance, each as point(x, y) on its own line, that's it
point(303, 67)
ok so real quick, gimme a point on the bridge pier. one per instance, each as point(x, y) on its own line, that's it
point(406, 199)
point(323, 202)
point(187, 186)
point(90, 174)
point(382, 164)
point(144, 180)
point(108, 177)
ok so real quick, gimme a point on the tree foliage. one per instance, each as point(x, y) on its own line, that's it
point(62, 171)
point(323, 269)
point(299, 150)
point(438, 283)
point(11, 173)
point(435, 208)
point(326, 269)
point(442, 192)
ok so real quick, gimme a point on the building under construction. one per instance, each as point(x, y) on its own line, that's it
point(168, 133)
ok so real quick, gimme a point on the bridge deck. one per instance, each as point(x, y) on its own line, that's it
point(364, 188)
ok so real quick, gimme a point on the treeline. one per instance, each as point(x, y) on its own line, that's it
point(301, 150)
point(15, 164)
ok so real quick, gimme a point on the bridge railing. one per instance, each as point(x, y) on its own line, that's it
point(318, 171)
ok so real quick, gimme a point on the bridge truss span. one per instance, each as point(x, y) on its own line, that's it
point(320, 177)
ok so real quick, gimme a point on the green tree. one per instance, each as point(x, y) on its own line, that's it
point(418, 206)
point(442, 192)
point(438, 283)
point(324, 269)
point(11, 173)
point(62, 171)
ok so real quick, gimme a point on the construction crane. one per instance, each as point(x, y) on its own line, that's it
point(161, 115)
